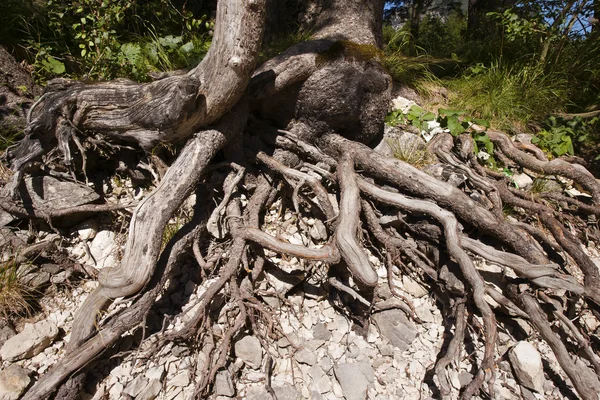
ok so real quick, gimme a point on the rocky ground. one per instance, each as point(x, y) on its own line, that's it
point(316, 348)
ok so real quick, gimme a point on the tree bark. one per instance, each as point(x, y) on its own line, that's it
point(358, 21)
point(473, 18)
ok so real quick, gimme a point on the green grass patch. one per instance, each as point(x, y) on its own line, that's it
point(509, 96)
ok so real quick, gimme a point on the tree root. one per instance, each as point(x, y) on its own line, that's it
point(426, 227)
point(244, 226)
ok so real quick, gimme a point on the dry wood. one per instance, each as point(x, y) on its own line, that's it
point(555, 167)
point(455, 250)
point(346, 233)
point(585, 381)
point(127, 319)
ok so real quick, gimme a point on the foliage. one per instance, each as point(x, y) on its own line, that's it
point(415, 116)
point(396, 40)
point(110, 38)
point(12, 15)
point(559, 135)
point(454, 122)
point(509, 95)
point(441, 37)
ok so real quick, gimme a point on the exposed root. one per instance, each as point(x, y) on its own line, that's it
point(428, 228)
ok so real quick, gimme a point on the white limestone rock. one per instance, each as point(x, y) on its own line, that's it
point(250, 351)
point(32, 341)
point(527, 364)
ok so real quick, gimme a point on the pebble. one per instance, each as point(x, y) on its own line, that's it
point(13, 382)
point(250, 351)
point(323, 355)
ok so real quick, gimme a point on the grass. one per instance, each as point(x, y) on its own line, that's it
point(412, 152)
point(509, 96)
point(8, 138)
point(410, 71)
point(15, 297)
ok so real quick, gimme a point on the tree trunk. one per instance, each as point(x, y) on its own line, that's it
point(300, 128)
point(473, 19)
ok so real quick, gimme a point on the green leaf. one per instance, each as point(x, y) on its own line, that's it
point(446, 113)
point(485, 140)
point(53, 65)
point(132, 52)
point(483, 122)
point(455, 126)
point(429, 116)
point(187, 48)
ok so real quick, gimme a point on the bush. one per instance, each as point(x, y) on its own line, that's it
point(441, 38)
point(110, 38)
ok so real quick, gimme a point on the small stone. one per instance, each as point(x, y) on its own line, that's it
point(590, 321)
point(283, 281)
point(454, 380)
point(151, 391)
point(522, 181)
point(305, 356)
point(36, 280)
point(52, 269)
point(321, 332)
point(46, 192)
point(61, 277)
point(136, 386)
point(250, 351)
point(464, 378)
point(321, 382)
point(155, 373)
point(527, 363)
point(181, 380)
point(424, 314)
point(412, 287)
point(103, 249)
point(224, 385)
point(87, 230)
point(286, 392)
point(116, 391)
point(326, 363)
point(318, 231)
point(13, 382)
point(32, 341)
point(257, 393)
point(394, 325)
point(354, 379)
point(6, 333)
point(385, 350)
